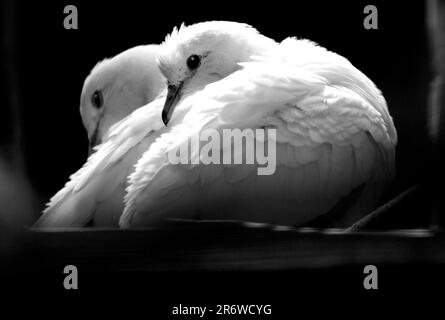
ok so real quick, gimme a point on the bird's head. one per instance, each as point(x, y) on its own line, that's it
point(193, 56)
point(118, 86)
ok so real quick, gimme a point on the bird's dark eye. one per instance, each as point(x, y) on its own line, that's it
point(97, 99)
point(193, 61)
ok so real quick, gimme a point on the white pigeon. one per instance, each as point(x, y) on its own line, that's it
point(335, 138)
point(114, 89)
point(118, 86)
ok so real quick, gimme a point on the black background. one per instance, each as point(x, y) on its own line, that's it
point(52, 63)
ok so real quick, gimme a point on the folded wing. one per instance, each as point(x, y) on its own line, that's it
point(335, 145)
point(97, 189)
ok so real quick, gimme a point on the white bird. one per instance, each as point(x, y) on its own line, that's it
point(335, 137)
point(118, 86)
point(114, 89)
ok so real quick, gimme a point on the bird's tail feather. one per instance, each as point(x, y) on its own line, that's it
point(76, 210)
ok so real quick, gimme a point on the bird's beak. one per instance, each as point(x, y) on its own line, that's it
point(94, 140)
point(173, 95)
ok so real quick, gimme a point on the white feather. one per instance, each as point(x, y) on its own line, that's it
point(128, 81)
point(334, 135)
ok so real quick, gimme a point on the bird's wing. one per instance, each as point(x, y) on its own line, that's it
point(330, 140)
point(105, 170)
point(337, 70)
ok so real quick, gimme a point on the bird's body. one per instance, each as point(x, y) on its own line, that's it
point(125, 83)
point(335, 138)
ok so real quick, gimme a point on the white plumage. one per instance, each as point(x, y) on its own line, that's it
point(125, 82)
point(335, 137)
